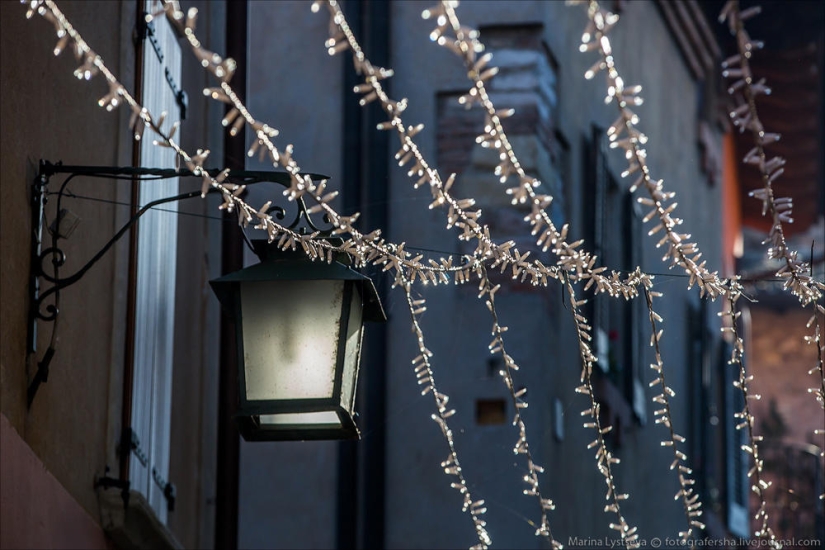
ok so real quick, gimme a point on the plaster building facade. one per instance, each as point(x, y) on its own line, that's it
point(115, 446)
point(142, 385)
point(389, 490)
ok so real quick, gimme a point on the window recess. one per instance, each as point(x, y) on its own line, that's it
point(148, 436)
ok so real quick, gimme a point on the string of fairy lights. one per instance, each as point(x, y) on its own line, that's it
point(624, 134)
point(745, 89)
point(746, 418)
point(522, 447)
point(686, 254)
point(424, 374)
point(573, 263)
point(605, 461)
point(690, 500)
point(745, 116)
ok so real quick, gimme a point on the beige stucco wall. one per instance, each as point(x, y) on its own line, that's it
point(48, 114)
point(193, 461)
point(74, 424)
point(36, 511)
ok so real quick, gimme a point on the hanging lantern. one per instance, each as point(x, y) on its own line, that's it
point(299, 331)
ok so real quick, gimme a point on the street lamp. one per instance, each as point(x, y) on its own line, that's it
point(299, 323)
point(299, 330)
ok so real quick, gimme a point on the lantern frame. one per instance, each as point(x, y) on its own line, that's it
point(278, 265)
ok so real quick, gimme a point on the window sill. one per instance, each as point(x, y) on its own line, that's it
point(135, 527)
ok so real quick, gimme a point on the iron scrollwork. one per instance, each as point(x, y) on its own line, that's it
point(293, 215)
point(46, 263)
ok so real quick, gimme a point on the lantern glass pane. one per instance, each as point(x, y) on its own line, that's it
point(326, 418)
point(290, 338)
point(352, 351)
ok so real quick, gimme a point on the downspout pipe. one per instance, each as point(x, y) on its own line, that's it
point(228, 464)
point(362, 465)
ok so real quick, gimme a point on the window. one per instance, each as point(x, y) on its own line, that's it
point(527, 82)
point(736, 460)
point(704, 421)
point(491, 412)
point(154, 313)
point(612, 224)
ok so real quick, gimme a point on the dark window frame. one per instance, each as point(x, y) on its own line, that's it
point(612, 222)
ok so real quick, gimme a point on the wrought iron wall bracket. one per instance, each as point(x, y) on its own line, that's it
point(108, 482)
point(44, 304)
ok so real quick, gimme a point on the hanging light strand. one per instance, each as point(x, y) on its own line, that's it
point(605, 461)
point(464, 42)
point(745, 88)
point(505, 256)
point(624, 134)
point(745, 419)
point(370, 248)
point(517, 398)
point(797, 275)
point(424, 374)
point(816, 322)
point(690, 500)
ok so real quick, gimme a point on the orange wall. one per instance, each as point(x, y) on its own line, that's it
point(731, 207)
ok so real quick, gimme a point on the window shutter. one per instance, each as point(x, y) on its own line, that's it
point(155, 278)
